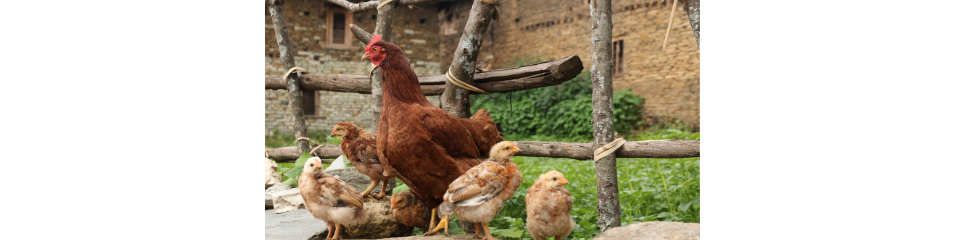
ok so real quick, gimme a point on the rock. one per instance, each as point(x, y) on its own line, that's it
point(271, 173)
point(297, 224)
point(359, 181)
point(287, 200)
point(275, 188)
point(379, 223)
point(654, 230)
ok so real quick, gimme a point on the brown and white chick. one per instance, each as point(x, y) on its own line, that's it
point(329, 199)
point(478, 195)
point(548, 207)
point(359, 147)
point(408, 209)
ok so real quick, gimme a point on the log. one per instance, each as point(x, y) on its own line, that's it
point(292, 83)
point(456, 100)
point(290, 154)
point(640, 149)
point(608, 201)
point(365, 6)
point(507, 80)
point(692, 9)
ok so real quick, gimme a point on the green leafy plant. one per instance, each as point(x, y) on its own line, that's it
point(563, 112)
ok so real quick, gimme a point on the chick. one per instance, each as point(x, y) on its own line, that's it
point(548, 207)
point(329, 199)
point(408, 209)
point(359, 147)
point(478, 195)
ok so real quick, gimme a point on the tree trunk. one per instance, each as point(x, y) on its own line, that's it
point(364, 6)
point(456, 100)
point(384, 29)
point(499, 81)
point(292, 83)
point(691, 7)
point(608, 203)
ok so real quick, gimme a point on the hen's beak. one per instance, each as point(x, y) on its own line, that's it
point(564, 182)
point(365, 57)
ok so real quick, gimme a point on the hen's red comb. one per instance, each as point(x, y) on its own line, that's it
point(375, 38)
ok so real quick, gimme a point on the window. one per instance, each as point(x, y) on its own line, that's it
point(618, 57)
point(309, 103)
point(337, 27)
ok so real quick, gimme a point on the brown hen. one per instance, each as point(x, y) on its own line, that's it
point(479, 194)
point(422, 144)
point(548, 207)
point(329, 199)
point(359, 147)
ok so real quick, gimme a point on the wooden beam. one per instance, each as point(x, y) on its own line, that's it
point(456, 100)
point(507, 80)
point(585, 151)
point(365, 6)
point(290, 154)
point(292, 83)
point(608, 202)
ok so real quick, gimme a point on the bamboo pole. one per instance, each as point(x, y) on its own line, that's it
point(608, 203)
point(292, 82)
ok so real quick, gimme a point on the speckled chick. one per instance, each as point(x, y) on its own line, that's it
point(329, 199)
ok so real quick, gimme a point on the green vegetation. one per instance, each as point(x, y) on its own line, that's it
point(563, 112)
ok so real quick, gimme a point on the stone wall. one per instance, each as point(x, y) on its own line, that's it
point(668, 80)
point(415, 30)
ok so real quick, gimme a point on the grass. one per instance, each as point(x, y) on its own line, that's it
point(654, 189)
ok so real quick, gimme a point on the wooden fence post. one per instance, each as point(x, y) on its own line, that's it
point(691, 7)
point(292, 82)
point(384, 29)
point(456, 100)
point(608, 203)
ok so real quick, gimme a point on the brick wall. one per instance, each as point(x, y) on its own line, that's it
point(668, 80)
point(414, 30)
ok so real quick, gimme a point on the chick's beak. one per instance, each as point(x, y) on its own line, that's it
point(564, 182)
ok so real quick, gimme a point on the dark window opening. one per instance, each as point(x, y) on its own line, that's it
point(338, 28)
point(422, 20)
point(308, 102)
point(618, 57)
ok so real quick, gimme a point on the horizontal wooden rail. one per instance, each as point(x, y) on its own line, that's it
point(497, 81)
point(578, 151)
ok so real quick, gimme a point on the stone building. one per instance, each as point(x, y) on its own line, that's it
point(669, 79)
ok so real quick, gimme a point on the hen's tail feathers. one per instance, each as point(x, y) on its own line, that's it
point(482, 115)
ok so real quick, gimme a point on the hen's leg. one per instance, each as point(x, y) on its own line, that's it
point(443, 224)
point(487, 229)
point(479, 234)
point(366, 192)
point(382, 193)
point(432, 220)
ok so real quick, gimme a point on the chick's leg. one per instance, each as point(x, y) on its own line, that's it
point(331, 227)
point(337, 228)
point(479, 234)
point(487, 229)
point(382, 193)
point(443, 224)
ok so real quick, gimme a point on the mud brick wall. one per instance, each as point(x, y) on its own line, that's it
point(415, 30)
point(668, 80)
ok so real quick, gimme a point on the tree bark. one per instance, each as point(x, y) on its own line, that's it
point(365, 6)
point(292, 83)
point(691, 7)
point(288, 154)
point(360, 34)
point(499, 81)
point(608, 203)
point(384, 29)
point(585, 151)
point(456, 100)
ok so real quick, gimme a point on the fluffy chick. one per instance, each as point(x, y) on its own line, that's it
point(359, 147)
point(478, 195)
point(328, 198)
point(548, 207)
point(408, 209)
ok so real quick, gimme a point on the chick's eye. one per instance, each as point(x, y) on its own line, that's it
point(506, 148)
point(555, 179)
